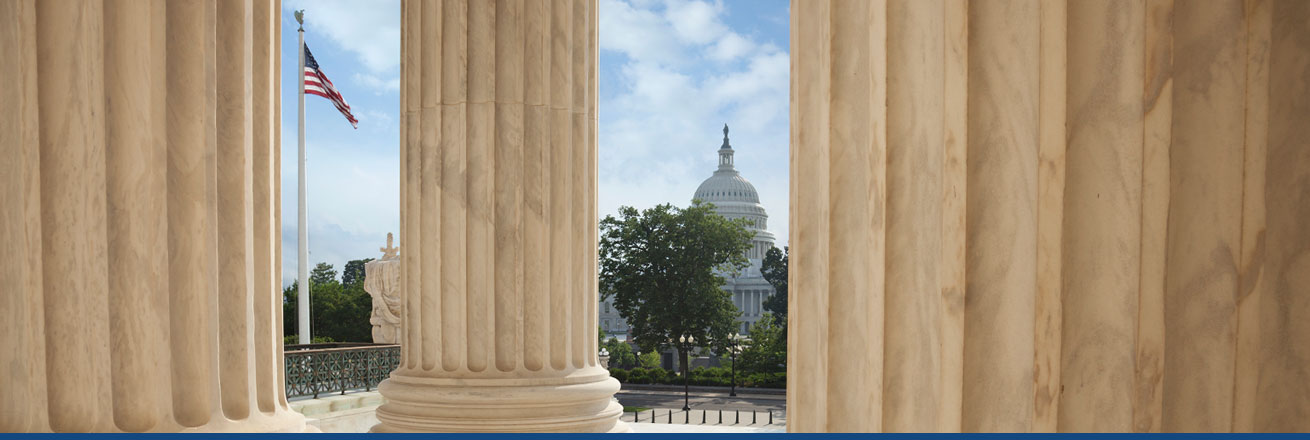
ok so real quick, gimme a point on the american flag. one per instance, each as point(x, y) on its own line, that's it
point(317, 83)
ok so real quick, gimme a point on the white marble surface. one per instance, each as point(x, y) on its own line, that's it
point(382, 282)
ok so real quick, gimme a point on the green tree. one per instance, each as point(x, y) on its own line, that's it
point(767, 350)
point(648, 360)
point(289, 310)
point(353, 273)
point(774, 269)
point(323, 273)
point(620, 353)
point(660, 266)
point(337, 312)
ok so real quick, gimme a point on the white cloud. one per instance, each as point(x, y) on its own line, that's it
point(637, 32)
point(353, 199)
point(686, 73)
point(378, 120)
point(372, 33)
point(379, 85)
point(730, 47)
point(695, 22)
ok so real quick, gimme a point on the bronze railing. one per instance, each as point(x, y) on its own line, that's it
point(314, 369)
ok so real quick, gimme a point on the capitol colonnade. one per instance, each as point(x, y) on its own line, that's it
point(1023, 215)
point(498, 202)
point(138, 217)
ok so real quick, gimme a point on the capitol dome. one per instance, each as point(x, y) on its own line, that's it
point(727, 187)
point(734, 197)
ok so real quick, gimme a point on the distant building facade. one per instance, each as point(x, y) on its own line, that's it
point(733, 197)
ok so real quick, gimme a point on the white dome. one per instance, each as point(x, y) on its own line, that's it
point(727, 187)
point(734, 197)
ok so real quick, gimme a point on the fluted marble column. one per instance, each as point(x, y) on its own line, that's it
point(138, 223)
point(498, 203)
point(1023, 215)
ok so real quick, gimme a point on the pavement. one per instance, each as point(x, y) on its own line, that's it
point(703, 389)
point(703, 400)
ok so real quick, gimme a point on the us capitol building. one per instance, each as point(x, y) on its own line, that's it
point(733, 197)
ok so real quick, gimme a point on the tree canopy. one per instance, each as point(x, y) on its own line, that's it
point(323, 273)
point(767, 350)
point(774, 269)
point(338, 312)
point(659, 266)
point(354, 272)
point(621, 355)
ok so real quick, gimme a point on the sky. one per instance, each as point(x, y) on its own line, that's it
point(672, 72)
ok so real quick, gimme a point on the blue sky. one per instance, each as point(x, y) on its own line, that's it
point(672, 72)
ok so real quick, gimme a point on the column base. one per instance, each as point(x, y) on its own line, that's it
point(581, 402)
point(281, 421)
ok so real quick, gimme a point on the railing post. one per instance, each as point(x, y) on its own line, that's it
point(313, 369)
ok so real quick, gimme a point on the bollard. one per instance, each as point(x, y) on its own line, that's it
point(720, 416)
point(702, 417)
point(770, 417)
point(670, 417)
point(738, 422)
point(753, 417)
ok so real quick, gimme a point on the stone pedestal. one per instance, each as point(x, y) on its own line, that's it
point(498, 202)
point(139, 217)
point(1024, 215)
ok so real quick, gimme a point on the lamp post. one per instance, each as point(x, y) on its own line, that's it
point(686, 373)
point(732, 352)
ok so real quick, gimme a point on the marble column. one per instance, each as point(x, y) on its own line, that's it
point(1112, 185)
point(138, 217)
point(498, 202)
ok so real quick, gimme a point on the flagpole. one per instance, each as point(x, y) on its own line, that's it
point(302, 295)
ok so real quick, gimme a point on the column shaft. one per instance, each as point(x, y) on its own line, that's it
point(1078, 245)
point(1102, 215)
point(144, 290)
point(498, 214)
point(21, 314)
point(1282, 392)
point(914, 158)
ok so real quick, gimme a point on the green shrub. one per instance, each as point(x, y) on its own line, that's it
point(709, 381)
point(649, 360)
point(621, 375)
point(711, 372)
point(638, 376)
point(295, 339)
point(765, 380)
point(660, 375)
